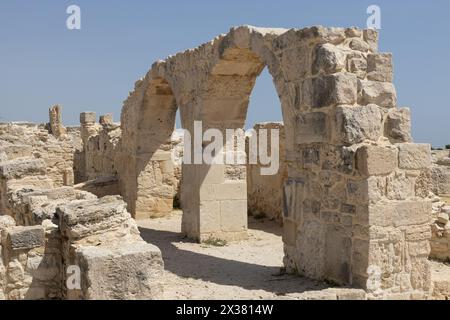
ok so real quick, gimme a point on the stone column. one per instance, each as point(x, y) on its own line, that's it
point(56, 126)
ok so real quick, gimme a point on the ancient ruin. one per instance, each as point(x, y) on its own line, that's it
point(362, 206)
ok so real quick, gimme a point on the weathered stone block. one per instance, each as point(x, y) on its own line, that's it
point(231, 190)
point(79, 219)
point(210, 174)
point(209, 216)
point(233, 215)
point(356, 124)
point(379, 67)
point(382, 94)
point(414, 156)
point(359, 45)
point(25, 238)
point(376, 160)
point(290, 232)
point(88, 118)
point(328, 58)
point(130, 271)
point(371, 37)
point(330, 90)
point(106, 119)
point(398, 125)
point(357, 64)
point(311, 127)
point(15, 169)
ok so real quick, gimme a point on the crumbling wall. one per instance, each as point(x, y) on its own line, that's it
point(100, 142)
point(440, 172)
point(265, 192)
point(101, 238)
point(63, 228)
point(18, 140)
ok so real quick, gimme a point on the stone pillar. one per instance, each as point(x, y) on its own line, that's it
point(106, 119)
point(356, 201)
point(56, 126)
point(89, 130)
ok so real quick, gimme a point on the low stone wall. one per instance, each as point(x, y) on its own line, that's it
point(63, 229)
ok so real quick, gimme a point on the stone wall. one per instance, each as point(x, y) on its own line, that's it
point(100, 141)
point(357, 188)
point(440, 172)
point(18, 140)
point(265, 192)
point(47, 231)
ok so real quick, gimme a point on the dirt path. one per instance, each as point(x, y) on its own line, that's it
point(242, 270)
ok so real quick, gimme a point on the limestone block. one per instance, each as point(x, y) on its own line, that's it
point(356, 124)
point(129, 271)
point(376, 160)
point(290, 232)
point(210, 174)
point(357, 64)
point(106, 119)
point(311, 128)
point(371, 37)
point(79, 219)
point(210, 216)
point(330, 90)
point(88, 118)
point(328, 58)
point(379, 67)
point(382, 94)
point(443, 218)
point(400, 213)
point(398, 125)
point(338, 248)
point(6, 222)
point(16, 150)
point(231, 190)
point(23, 238)
point(414, 156)
point(233, 215)
point(296, 62)
point(359, 45)
point(15, 169)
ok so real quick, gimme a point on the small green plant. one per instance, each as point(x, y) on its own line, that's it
point(447, 147)
point(216, 242)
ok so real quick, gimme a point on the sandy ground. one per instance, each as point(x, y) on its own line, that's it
point(241, 270)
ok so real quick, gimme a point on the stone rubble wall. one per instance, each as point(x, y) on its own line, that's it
point(440, 172)
point(19, 140)
point(61, 227)
point(265, 192)
point(440, 228)
point(100, 143)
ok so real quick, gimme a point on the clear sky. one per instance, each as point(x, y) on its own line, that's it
point(93, 69)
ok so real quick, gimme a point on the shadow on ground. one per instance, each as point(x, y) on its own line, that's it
point(189, 264)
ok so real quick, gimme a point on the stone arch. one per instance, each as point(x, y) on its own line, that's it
point(356, 190)
point(148, 121)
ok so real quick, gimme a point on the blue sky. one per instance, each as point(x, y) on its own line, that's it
point(43, 63)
